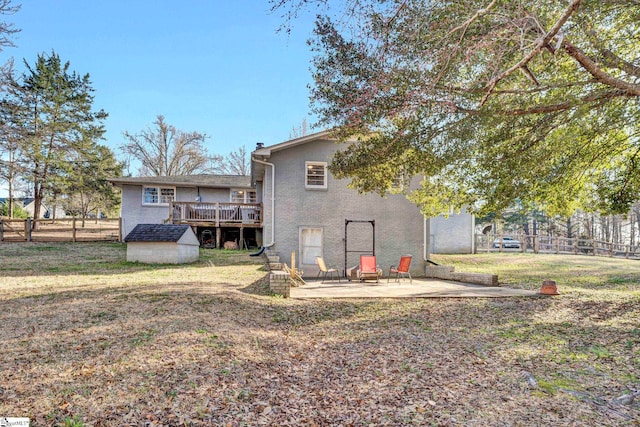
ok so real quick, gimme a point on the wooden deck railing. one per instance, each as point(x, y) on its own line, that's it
point(216, 214)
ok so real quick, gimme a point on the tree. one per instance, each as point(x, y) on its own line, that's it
point(10, 136)
point(52, 108)
point(8, 149)
point(235, 163)
point(490, 100)
point(88, 190)
point(7, 29)
point(16, 212)
point(299, 131)
point(167, 151)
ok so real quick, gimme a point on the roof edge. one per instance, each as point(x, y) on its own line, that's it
point(153, 180)
point(266, 151)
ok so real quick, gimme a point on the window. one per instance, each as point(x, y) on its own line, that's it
point(158, 195)
point(310, 245)
point(166, 195)
point(243, 196)
point(316, 175)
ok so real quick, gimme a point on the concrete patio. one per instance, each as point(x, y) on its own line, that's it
point(420, 288)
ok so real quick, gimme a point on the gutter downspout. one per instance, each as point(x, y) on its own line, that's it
point(273, 200)
point(425, 239)
point(426, 231)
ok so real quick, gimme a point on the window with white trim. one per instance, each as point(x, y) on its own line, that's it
point(310, 245)
point(316, 175)
point(243, 196)
point(158, 195)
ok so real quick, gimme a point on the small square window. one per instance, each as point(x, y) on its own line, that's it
point(150, 195)
point(243, 196)
point(316, 175)
point(167, 195)
point(237, 196)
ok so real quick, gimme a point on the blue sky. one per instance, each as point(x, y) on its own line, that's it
point(216, 67)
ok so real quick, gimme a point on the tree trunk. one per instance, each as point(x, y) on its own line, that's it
point(38, 195)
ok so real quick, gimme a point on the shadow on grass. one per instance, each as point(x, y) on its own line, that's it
point(166, 341)
point(259, 287)
point(44, 259)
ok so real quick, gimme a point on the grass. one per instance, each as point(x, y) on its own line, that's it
point(580, 273)
point(90, 339)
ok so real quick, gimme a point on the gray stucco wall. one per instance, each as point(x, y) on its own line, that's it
point(133, 212)
point(222, 195)
point(162, 252)
point(399, 226)
point(452, 235)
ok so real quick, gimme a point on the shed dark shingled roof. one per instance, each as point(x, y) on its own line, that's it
point(156, 233)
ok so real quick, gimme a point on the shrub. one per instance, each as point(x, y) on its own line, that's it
point(18, 211)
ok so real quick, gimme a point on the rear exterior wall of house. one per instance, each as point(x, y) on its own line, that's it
point(311, 221)
point(134, 211)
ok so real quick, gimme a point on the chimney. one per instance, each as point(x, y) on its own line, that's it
point(259, 145)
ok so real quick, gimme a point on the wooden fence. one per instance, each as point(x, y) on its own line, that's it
point(555, 245)
point(60, 230)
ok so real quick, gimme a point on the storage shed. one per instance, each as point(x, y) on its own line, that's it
point(162, 244)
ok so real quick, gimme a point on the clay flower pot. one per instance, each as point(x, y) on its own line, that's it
point(549, 287)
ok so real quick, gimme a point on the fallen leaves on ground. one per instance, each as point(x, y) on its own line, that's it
point(208, 345)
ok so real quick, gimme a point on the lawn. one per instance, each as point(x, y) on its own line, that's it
point(91, 340)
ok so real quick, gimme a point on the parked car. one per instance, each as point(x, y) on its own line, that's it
point(507, 243)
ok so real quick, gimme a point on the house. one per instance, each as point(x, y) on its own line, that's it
point(28, 205)
point(292, 204)
point(309, 212)
point(219, 208)
point(162, 244)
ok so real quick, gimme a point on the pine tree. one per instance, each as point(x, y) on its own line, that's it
point(57, 122)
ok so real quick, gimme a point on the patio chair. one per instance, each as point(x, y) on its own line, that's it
point(369, 270)
point(326, 271)
point(401, 270)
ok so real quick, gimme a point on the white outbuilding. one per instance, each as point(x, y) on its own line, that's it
point(162, 244)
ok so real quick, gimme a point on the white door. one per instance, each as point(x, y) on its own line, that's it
point(310, 245)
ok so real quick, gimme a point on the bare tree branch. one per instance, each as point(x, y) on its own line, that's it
point(592, 68)
point(614, 61)
point(544, 41)
point(167, 151)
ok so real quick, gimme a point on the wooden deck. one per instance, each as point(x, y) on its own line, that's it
point(243, 215)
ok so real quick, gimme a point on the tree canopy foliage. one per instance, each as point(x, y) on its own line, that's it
point(490, 100)
point(49, 121)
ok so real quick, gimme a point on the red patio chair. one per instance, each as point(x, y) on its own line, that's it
point(402, 269)
point(369, 269)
